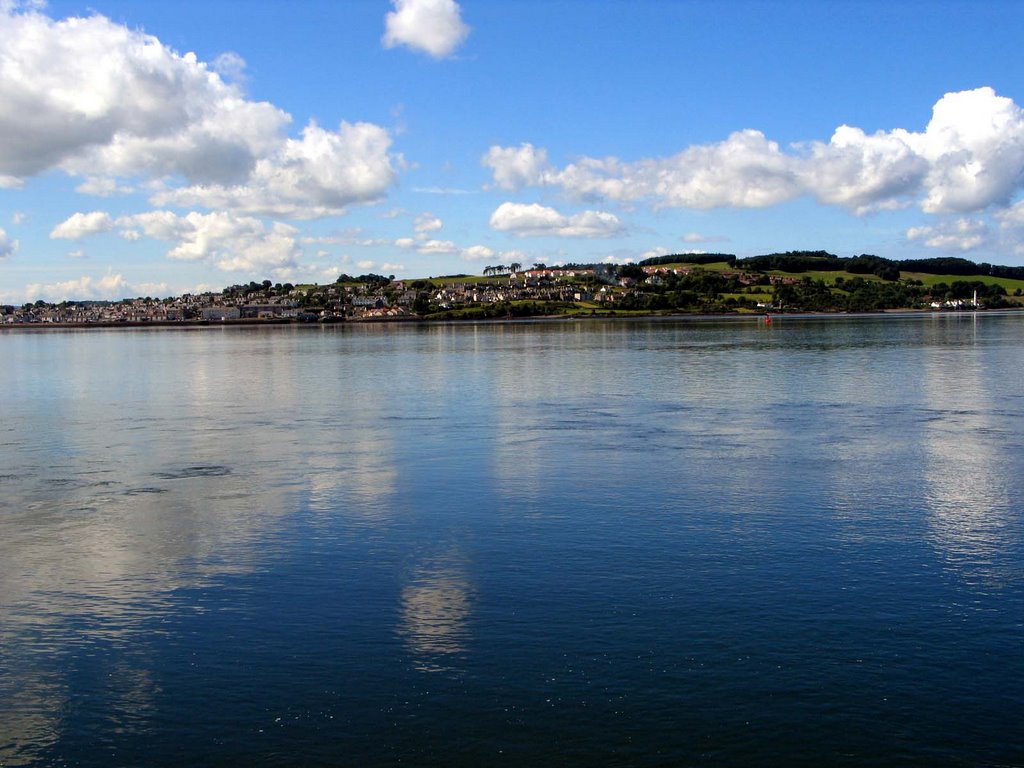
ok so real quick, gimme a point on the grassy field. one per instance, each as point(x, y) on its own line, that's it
point(1008, 283)
point(762, 294)
point(829, 276)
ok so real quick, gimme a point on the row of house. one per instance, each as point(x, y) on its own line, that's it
point(333, 301)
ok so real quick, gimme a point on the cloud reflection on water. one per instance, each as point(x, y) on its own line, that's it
point(965, 471)
point(436, 608)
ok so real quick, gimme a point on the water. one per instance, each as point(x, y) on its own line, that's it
point(610, 543)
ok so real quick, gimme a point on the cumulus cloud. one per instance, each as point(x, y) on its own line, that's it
point(86, 92)
point(96, 99)
point(434, 27)
point(438, 248)
point(975, 146)
point(478, 253)
point(433, 247)
point(427, 222)
point(483, 253)
point(80, 225)
point(538, 220)
point(970, 156)
point(229, 242)
point(316, 176)
point(84, 288)
point(517, 167)
point(862, 172)
point(746, 170)
point(103, 187)
point(7, 245)
point(961, 234)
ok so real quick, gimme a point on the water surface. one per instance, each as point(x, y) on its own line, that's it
point(616, 543)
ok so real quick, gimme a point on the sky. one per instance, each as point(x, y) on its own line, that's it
point(154, 149)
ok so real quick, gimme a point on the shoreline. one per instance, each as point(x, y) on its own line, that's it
point(725, 316)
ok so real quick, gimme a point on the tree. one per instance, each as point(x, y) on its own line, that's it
point(421, 305)
point(632, 270)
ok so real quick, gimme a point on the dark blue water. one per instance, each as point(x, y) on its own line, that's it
point(620, 543)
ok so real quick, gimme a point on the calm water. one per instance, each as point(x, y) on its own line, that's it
point(620, 543)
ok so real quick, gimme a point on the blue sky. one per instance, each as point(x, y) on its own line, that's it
point(156, 148)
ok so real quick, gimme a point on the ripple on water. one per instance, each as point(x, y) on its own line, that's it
point(202, 470)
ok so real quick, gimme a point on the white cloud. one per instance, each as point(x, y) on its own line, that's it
point(308, 178)
point(969, 156)
point(538, 220)
point(7, 246)
point(975, 147)
point(86, 94)
point(863, 172)
point(746, 170)
point(366, 264)
point(79, 254)
point(955, 235)
point(518, 167)
point(228, 242)
point(432, 26)
point(388, 267)
point(697, 237)
point(102, 187)
point(438, 248)
point(155, 290)
point(18, 217)
point(1012, 216)
point(230, 66)
point(483, 253)
point(85, 288)
point(658, 250)
point(80, 225)
point(427, 222)
point(478, 253)
point(96, 99)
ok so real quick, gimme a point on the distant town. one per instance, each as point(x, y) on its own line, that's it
point(796, 281)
